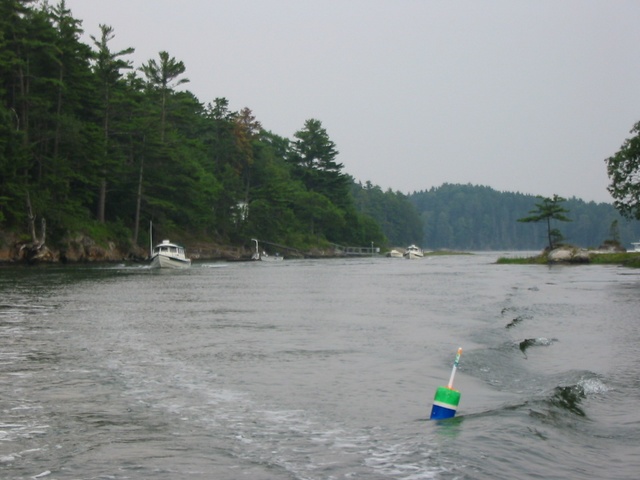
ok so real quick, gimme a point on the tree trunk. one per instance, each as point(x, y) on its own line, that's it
point(136, 227)
point(102, 193)
point(43, 231)
point(102, 198)
point(36, 250)
point(32, 221)
point(56, 138)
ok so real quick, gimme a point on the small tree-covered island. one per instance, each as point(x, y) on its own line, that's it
point(94, 150)
point(623, 169)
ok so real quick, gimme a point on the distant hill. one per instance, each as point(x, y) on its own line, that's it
point(470, 217)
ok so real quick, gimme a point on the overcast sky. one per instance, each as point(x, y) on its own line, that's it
point(521, 96)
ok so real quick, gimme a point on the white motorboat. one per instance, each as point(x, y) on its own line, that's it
point(636, 246)
point(263, 256)
point(270, 258)
point(413, 252)
point(169, 255)
point(394, 254)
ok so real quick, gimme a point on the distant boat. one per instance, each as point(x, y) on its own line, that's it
point(169, 255)
point(413, 252)
point(263, 256)
point(636, 246)
point(394, 254)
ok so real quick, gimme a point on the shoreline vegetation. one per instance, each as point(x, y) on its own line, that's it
point(236, 254)
point(84, 249)
point(584, 257)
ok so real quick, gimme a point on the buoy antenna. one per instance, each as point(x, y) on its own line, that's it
point(455, 367)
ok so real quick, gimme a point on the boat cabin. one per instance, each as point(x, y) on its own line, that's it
point(169, 248)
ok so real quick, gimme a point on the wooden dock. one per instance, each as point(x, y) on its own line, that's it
point(356, 251)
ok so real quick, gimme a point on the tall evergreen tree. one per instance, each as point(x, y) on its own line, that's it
point(74, 114)
point(14, 151)
point(314, 158)
point(246, 131)
point(163, 76)
point(107, 67)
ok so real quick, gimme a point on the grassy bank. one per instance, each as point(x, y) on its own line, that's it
point(535, 260)
point(627, 259)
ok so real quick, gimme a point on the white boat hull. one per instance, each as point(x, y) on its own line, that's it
point(169, 255)
point(269, 258)
point(412, 252)
point(263, 257)
point(163, 261)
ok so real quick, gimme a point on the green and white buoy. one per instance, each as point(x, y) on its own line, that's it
point(447, 399)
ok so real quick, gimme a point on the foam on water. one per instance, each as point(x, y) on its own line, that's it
point(294, 440)
point(593, 386)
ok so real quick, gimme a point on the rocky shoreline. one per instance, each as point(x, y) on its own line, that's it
point(79, 249)
point(575, 255)
point(83, 249)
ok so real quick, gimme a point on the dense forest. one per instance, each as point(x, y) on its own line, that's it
point(471, 217)
point(91, 143)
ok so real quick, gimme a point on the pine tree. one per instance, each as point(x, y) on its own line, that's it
point(549, 209)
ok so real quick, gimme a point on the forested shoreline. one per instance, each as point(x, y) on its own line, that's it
point(93, 146)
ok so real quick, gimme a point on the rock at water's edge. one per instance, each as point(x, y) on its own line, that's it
point(568, 255)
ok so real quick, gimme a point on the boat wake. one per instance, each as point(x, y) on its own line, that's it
point(559, 404)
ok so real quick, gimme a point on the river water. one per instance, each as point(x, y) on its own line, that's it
point(319, 369)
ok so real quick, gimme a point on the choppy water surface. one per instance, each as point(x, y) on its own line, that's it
point(319, 369)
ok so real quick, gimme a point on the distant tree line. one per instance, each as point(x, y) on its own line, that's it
point(396, 215)
point(472, 217)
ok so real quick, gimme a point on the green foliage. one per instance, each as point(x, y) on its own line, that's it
point(313, 156)
point(396, 215)
point(625, 259)
point(102, 150)
point(162, 77)
point(623, 169)
point(471, 217)
point(535, 260)
point(546, 210)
